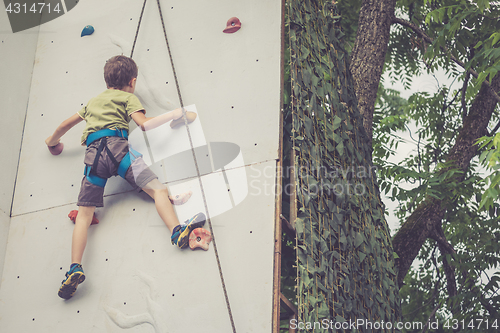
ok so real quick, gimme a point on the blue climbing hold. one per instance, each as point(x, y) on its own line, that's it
point(88, 30)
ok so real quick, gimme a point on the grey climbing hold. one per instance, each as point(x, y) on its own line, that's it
point(88, 30)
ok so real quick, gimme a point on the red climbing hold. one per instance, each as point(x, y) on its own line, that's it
point(57, 149)
point(199, 237)
point(72, 216)
point(233, 25)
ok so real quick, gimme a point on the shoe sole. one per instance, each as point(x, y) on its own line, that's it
point(183, 240)
point(69, 286)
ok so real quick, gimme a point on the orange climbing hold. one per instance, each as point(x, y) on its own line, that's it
point(72, 216)
point(232, 25)
point(200, 237)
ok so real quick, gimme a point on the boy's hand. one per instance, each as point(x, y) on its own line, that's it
point(50, 142)
point(177, 113)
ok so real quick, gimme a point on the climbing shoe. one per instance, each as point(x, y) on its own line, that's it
point(74, 277)
point(180, 234)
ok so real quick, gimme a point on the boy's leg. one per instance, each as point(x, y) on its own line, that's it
point(159, 192)
point(75, 275)
point(180, 234)
point(82, 223)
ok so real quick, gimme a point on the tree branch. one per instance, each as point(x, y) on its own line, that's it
point(494, 130)
point(421, 224)
point(464, 89)
point(446, 248)
point(433, 313)
point(428, 39)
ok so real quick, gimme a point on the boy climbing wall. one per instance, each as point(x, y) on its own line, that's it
point(108, 154)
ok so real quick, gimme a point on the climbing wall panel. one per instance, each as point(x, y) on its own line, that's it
point(16, 52)
point(135, 279)
point(232, 79)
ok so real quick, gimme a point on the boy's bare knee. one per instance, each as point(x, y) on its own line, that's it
point(154, 185)
point(85, 215)
point(161, 191)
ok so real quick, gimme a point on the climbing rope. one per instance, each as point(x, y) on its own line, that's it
point(138, 26)
point(194, 156)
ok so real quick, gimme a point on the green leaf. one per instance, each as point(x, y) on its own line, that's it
point(358, 240)
point(336, 122)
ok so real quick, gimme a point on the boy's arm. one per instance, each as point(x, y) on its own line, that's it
point(65, 126)
point(147, 123)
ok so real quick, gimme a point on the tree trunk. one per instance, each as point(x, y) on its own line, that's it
point(368, 55)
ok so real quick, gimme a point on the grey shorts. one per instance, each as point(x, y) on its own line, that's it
point(138, 174)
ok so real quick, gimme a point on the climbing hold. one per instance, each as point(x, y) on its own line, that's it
point(200, 237)
point(191, 116)
point(57, 149)
point(180, 199)
point(233, 25)
point(74, 213)
point(88, 30)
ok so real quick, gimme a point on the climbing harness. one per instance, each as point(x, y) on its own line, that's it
point(123, 165)
point(193, 151)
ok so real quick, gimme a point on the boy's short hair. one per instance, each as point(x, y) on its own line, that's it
point(119, 70)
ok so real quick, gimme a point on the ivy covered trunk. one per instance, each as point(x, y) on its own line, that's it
point(346, 280)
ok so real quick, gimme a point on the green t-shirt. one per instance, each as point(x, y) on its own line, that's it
point(111, 109)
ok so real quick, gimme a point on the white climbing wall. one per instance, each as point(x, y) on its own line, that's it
point(136, 280)
point(16, 51)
